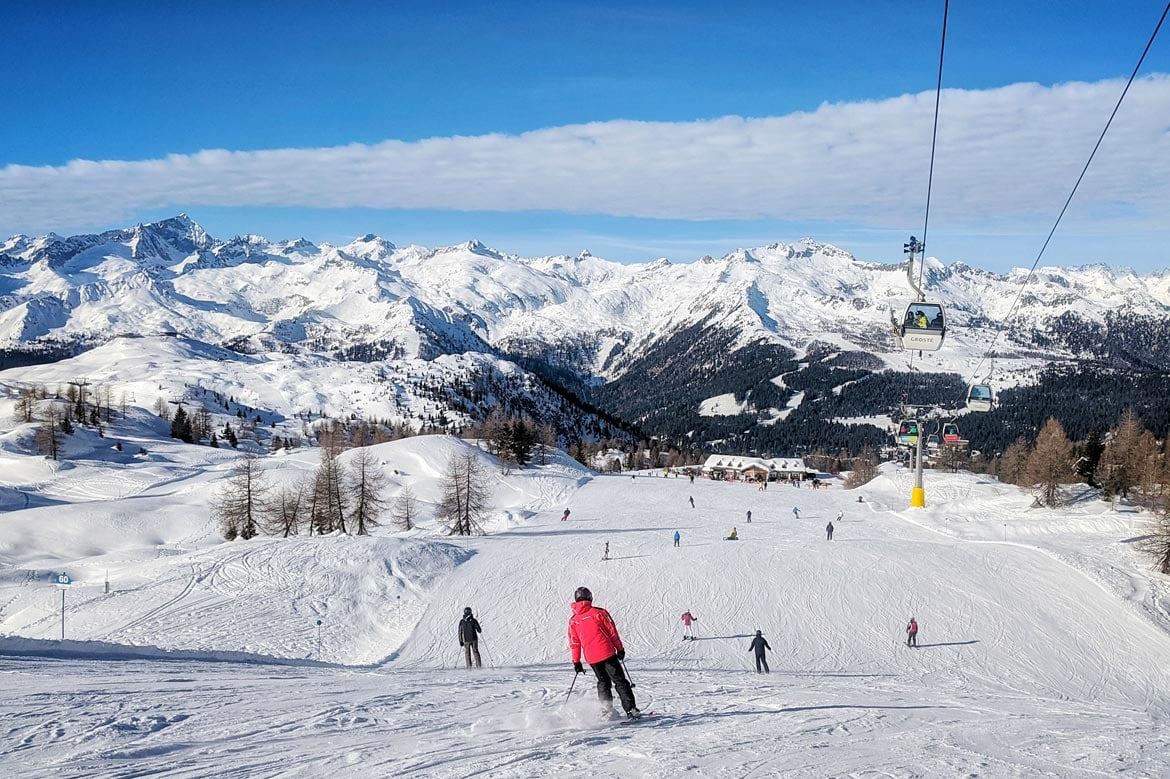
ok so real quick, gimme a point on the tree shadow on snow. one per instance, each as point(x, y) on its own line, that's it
point(721, 638)
point(627, 557)
point(1136, 539)
point(948, 643)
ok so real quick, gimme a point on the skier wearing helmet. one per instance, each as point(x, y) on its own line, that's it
point(592, 633)
point(469, 631)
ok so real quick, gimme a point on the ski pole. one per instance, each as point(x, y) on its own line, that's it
point(571, 686)
point(491, 663)
point(628, 677)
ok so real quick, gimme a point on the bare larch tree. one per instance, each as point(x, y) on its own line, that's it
point(366, 482)
point(282, 515)
point(405, 510)
point(465, 495)
point(1050, 464)
point(240, 506)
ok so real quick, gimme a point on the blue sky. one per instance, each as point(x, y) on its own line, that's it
point(133, 82)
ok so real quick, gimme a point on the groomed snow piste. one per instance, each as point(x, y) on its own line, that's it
point(1042, 644)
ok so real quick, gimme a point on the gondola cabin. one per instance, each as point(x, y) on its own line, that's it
point(950, 433)
point(932, 442)
point(923, 327)
point(979, 397)
point(908, 432)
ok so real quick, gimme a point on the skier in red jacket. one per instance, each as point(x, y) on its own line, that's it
point(592, 632)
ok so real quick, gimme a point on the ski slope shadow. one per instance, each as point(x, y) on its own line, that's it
point(948, 643)
point(20, 647)
point(627, 557)
point(585, 532)
point(671, 720)
point(721, 638)
point(833, 674)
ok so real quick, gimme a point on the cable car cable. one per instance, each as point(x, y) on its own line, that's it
point(933, 143)
point(1068, 201)
point(929, 184)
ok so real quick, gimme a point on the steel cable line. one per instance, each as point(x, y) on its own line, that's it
point(1068, 201)
point(933, 144)
point(929, 186)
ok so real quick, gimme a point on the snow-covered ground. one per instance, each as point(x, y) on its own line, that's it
point(1041, 643)
point(722, 406)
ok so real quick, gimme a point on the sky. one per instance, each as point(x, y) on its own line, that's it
point(633, 130)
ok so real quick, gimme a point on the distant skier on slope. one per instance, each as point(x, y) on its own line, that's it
point(469, 631)
point(829, 530)
point(840, 516)
point(677, 538)
point(593, 633)
point(688, 631)
point(565, 516)
point(758, 645)
point(796, 512)
point(605, 552)
point(912, 633)
point(692, 500)
point(733, 535)
point(749, 517)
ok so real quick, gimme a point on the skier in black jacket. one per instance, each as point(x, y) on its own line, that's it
point(469, 631)
point(759, 644)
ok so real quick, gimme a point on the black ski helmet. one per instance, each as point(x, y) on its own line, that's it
point(467, 611)
point(581, 594)
point(759, 633)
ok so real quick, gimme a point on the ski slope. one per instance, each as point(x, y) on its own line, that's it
point(1040, 640)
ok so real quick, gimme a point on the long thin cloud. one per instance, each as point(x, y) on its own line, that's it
point(1003, 153)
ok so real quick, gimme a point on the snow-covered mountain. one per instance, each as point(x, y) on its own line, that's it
point(594, 320)
point(249, 293)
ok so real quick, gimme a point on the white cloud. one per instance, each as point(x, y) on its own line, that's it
point(1003, 153)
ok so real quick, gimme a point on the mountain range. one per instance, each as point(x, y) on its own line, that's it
point(704, 350)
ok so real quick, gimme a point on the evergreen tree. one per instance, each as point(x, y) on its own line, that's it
point(181, 426)
point(523, 439)
point(1090, 458)
point(579, 453)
